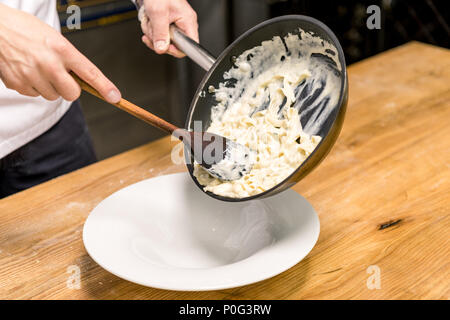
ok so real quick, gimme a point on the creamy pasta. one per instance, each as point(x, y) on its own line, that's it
point(258, 112)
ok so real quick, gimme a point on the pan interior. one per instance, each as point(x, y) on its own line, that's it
point(310, 46)
point(308, 59)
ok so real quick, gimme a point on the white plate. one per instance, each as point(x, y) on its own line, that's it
point(165, 233)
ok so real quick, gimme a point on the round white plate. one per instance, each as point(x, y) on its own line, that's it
point(165, 233)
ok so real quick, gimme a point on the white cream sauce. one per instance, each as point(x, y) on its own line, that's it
point(272, 82)
point(238, 161)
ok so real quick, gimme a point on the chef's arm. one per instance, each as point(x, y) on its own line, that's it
point(157, 15)
point(35, 60)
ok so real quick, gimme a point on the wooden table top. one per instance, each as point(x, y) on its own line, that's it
point(382, 196)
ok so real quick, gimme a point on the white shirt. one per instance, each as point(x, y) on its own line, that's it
point(24, 118)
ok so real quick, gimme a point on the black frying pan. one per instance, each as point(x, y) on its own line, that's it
point(308, 104)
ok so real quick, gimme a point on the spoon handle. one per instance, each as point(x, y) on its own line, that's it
point(129, 107)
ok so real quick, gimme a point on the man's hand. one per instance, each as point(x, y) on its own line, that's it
point(160, 15)
point(35, 60)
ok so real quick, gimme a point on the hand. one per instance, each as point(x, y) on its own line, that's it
point(35, 60)
point(159, 15)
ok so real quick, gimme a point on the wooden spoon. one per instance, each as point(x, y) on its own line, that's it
point(221, 157)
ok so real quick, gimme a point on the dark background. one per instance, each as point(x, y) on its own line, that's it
point(401, 21)
point(110, 37)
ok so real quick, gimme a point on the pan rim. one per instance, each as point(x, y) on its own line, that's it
point(224, 53)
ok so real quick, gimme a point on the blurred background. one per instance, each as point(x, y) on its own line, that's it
point(110, 37)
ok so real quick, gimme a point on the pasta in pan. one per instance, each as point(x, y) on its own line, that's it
point(259, 112)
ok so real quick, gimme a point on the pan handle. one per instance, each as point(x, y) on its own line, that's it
point(192, 49)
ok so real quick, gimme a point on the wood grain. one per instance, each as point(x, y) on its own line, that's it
point(382, 196)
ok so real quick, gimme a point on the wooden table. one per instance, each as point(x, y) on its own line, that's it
point(382, 196)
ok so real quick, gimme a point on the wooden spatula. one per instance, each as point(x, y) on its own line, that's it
point(221, 157)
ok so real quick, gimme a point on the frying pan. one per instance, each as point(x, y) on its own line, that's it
point(307, 102)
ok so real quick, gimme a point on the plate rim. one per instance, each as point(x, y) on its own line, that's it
point(270, 273)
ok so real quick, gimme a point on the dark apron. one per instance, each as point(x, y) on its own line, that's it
point(65, 147)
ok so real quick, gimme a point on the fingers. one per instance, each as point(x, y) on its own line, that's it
point(65, 85)
point(158, 13)
point(23, 83)
point(46, 90)
point(172, 49)
point(147, 41)
point(74, 61)
point(143, 18)
point(39, 59)
point(52, 79)
point(39, 80)
point(188, 24)
point(29, 91)
point(87, 71)
point(156, 20)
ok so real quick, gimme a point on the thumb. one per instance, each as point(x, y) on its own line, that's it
point(160, 31)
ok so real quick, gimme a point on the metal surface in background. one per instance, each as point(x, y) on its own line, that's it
point(96, 13)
